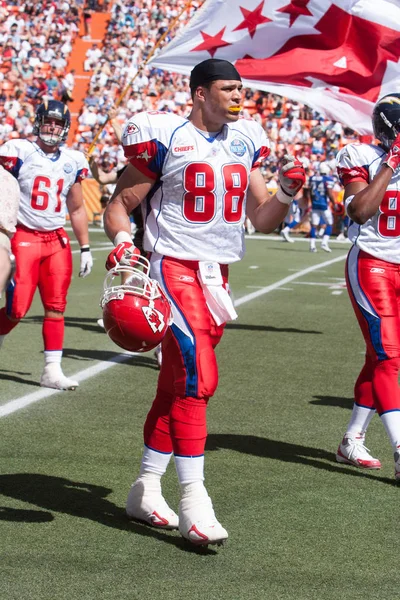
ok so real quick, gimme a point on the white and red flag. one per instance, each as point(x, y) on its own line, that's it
point(337, 57)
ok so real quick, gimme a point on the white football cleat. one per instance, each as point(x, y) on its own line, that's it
point(100, 323)
point(53, 377)
point(197, 520)
point(325, 247)
point(352, 451)
point(146, 503)
point(313, 249)
point(287, 237)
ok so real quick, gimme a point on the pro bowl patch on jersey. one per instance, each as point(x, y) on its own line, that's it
point(238, 147)
point(68, 168)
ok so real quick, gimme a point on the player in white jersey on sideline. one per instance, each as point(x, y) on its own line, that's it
point(371, 176)
point(49, 177)
point(196, 178)
point(9, 203)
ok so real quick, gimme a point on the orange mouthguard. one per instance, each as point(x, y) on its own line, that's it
point(235, 108)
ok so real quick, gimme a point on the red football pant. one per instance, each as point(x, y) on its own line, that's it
point(44, 261)
point(189, 372)
point(374, 289)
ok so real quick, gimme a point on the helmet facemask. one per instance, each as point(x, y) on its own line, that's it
point(52, 123)
point(52, 135)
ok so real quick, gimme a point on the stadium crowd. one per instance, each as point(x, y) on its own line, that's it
point(37, 37)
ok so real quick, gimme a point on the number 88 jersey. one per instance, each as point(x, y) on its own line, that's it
point(196, 208)
point(379, 235)
point(44, 181)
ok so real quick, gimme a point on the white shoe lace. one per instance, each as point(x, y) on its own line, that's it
point(356, 449)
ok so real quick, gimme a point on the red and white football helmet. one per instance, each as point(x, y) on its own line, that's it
point(136, 312)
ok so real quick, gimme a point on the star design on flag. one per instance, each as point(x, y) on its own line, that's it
point(252, 19)
point(295, 9)
point(211, 43)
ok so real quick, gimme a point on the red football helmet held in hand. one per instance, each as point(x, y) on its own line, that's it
point(136, 312)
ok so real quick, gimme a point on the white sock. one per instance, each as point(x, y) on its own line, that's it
point(154, 462)
point(189, 469)
point(391, 421)
point(360, 419)
point(325, 239)
point(52, 356)
point(312, 243)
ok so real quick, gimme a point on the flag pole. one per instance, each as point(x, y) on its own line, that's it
point(90, 150)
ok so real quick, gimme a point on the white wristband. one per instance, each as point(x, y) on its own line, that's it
point(283, 197)
point(122, 236)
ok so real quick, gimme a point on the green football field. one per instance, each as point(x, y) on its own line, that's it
point(301, 526)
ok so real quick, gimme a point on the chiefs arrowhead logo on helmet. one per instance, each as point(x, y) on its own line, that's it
point(136, 312)
point(154, 318)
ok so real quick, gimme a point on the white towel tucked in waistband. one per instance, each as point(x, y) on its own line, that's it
point(217, 298)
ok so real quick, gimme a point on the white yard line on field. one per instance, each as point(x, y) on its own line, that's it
point(288, 279)
point(19, 403)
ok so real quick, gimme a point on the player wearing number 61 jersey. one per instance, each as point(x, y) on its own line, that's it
point(49, 178)
point(371, 176)
point(196, 179)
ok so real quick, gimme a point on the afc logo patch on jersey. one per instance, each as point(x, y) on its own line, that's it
point(154, 318)
point(238, 147)
point(132, 129)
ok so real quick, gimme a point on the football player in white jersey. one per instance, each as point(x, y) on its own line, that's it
point(49, 177)
point(9, 203)
point(196, 177)
point(371, 176)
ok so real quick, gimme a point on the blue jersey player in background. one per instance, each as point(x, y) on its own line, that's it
point(320, 186)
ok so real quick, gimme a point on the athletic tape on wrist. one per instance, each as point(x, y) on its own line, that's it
point(283, 197)
point(122, 236)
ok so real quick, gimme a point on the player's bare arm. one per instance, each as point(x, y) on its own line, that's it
point(101, 176)
point(131, 189)
point(263, 210)
point(78, 215)
point(367, 197)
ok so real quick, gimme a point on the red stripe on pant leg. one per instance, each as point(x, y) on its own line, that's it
point(188, 426)
point(53, 334)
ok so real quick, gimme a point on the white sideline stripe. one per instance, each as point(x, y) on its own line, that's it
point(19, 403)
